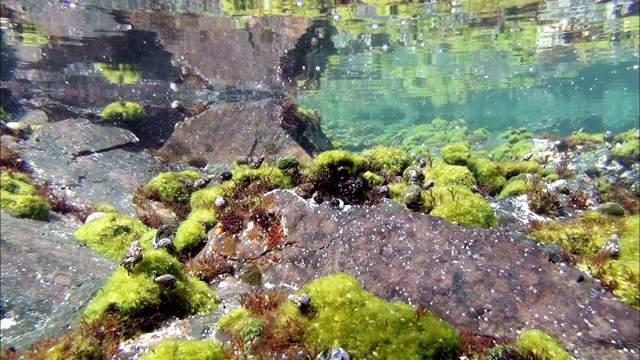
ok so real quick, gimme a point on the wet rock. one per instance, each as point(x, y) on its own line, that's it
point(334, 354)
point(223, 133)
point(167, 280)
point(412, 197)
point(47, 278)
point(88, 163)
point(454, 270)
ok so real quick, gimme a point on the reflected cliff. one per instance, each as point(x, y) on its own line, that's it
point(381, 66)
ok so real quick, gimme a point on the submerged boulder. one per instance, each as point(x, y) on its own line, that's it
point(486, 281)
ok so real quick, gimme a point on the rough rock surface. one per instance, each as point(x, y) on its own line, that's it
point(225, 132)
point(47, 278)
point(484, 280)
point(88, 163)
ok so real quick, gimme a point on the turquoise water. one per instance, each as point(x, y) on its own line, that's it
point(544, 67)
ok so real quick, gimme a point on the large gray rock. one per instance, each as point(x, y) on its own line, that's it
point(47, 278)
point(225, 132)
point(486, 281)
point(88, 163)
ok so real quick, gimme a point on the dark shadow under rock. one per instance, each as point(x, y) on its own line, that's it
point(47, 279)
point(486, 281)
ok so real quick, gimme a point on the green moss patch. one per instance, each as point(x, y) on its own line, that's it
point(387, 159)
point(347, 316)
point(585, 236)
point(112, 234)
point(123, 110)
point(171, 185)
point(186, 350)
point(193, 230)
point(135, 294)
point(21, 199)
point(458, 204)
point(444, 174)
point(457, 153)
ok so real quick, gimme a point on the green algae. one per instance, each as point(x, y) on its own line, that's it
point(135, 294)
point(112, 234)
point(171, 185)
point(514, 187)
point(542, 345)
point(387, 159)
point(123, 110)
point(457, 153)
point(444, 174)
point(193, 230)
point(186, 350)
point(488, 173)
point(20, 198)
point(460, 205)
point(331, 164)
point(586, 235)
point(367, 327)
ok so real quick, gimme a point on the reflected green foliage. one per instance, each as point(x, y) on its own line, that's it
point(120, 73)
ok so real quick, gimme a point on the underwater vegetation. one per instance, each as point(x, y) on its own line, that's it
point(21, 198)
point(588, 241)
point(123, 111)
point(341, 314)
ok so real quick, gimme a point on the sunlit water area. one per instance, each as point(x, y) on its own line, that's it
point(376, 71)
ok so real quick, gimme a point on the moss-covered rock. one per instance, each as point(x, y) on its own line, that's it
point(205, 198)
point(367, 327)
point(515, 168)
point(193, 231)
point(136, 294)
point(334, 164)
point(511, 151)
point(20, 198)
point(244, 175)
point(541, 345)
point(627, 153)
point(514, 187)
point(611, 208)
point(112, 234)
point(488, 173)
point(457, 153)
point(186, 350)
point(387, 159)
point(586, 235)
point(174, 186)
point(123, 110)
point(465, 208)
point(372, 178)
point(444, 174)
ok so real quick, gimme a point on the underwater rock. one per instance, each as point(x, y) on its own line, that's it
point(224, 132)
point(302, 301)
point(167, 280)
point(412, 197)
point(485, 280)
point(611, 208)
point(47, 278)
point(333, 354)
point(220, 202)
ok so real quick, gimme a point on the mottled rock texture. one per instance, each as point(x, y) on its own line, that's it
point(224, 132)
point(486, 281)
point(47, 278)
point(88, 163)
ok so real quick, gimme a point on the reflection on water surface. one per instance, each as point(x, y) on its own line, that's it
point(371, 68)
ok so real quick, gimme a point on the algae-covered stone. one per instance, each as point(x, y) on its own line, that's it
point(388, 159)
point(21, 199)
point(541, 345)
point(186, 350)
point(123, 110)
point(445, 174)
point(193, 230)
point(457, 153)
point(412, 197)
point(627, 153)
point(514, 187)
point(137, 294)
point(611, 208)
point(465, 208)
point(112, 234)
point(174, 186)
point(488, 173)
point(335, 163)
point(367, 327)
